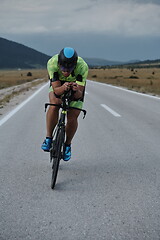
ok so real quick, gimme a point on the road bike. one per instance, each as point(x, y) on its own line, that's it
point(57, 147)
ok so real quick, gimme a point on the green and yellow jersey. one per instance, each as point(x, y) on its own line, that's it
point(79, 74)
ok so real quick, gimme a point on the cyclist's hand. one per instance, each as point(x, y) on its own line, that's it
point(66, 86)
point(74, 87)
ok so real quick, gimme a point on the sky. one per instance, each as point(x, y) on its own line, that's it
point(118, 30)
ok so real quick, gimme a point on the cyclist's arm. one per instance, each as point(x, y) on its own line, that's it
point(78, 90)
point(52, 68)
point(81, 81)
point(58, 88)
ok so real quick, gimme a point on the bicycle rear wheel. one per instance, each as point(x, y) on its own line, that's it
point(59, 142)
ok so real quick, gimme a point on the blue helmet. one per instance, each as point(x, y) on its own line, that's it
point(67, 59)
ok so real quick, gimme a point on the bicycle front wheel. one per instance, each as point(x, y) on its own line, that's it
point(59, 142)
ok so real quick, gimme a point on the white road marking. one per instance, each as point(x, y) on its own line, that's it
point(8, 116)
point(110, 110)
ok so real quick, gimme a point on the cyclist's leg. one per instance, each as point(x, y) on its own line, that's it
point(52, 113)
point(72, 124)
point(51, 120)
point(71, 127)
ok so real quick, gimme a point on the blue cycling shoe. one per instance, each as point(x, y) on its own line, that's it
point(67, 152)
point(46, 146)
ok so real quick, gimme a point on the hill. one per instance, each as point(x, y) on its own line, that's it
point(15, 55)
point(143, 64)
point(96, 62)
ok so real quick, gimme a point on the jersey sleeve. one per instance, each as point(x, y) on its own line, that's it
point(52, 66)
point(82, 74)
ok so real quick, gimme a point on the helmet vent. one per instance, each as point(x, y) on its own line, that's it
point(68, 52)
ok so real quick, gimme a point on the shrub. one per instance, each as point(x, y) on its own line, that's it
point(135, 77)
point(29, 74)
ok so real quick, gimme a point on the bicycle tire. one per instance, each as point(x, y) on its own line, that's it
point(57, 155)
point(52, 151)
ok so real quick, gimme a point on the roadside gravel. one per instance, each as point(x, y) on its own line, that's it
point(23, 91)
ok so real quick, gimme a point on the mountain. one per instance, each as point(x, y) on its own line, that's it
point(92, 62)
point(143, 64)
point(15, 55)
point(157, 61)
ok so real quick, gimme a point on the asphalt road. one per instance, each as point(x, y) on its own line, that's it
point(110, 189)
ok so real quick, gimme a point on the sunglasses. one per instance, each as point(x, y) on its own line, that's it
point(67, 69)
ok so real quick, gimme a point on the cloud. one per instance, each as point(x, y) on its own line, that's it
point(147, 1)
point(122, 17)
point(127, 18)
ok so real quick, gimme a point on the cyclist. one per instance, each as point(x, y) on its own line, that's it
point(66, 71)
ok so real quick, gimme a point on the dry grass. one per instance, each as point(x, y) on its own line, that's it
point(6, 98)
point(145, 80)
point(19, 78)
point(15, 77)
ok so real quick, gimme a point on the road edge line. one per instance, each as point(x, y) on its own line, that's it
point(15, 110)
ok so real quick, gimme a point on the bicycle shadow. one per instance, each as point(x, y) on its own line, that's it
point(84, 176)
point(106, 172)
